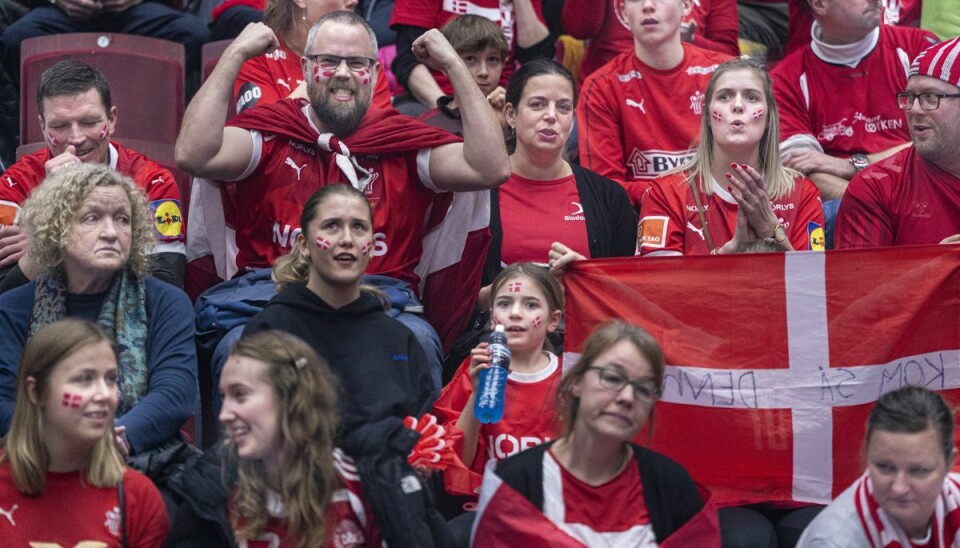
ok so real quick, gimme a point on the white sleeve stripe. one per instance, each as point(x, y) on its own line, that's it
point(423, 169)
point(255, 157)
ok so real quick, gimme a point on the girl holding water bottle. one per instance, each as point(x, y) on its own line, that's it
point(527, 305)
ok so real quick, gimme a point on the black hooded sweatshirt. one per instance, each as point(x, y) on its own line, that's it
point(382, 368)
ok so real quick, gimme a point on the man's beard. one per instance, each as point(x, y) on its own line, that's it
point(341, 119)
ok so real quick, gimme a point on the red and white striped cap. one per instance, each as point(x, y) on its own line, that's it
point(941, 61)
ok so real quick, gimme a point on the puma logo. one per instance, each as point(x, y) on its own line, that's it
point(294, 165)
point(11, 182)
point(284, 83)
point(157, 180)
point(632, 103)
point(695, 229)
point(9, 514)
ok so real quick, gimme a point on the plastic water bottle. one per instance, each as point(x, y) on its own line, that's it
point(488, 406)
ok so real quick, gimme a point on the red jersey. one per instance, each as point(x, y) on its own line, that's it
point(847, 104)
point(284, 173)
point(637, 122)
point(670, 224)
point(273, 76)
point(163, 195)
point(71, 512)
point(534, 214)
point(350, 520)
point(901, 200)
point(585, 509)
point(428, 14)
point(529, 413)
point(604, 24)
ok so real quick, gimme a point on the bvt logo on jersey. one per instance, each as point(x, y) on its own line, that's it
point(650, 163)
point(505, 445)
point(831, 132)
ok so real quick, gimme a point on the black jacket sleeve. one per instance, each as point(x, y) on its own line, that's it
point(169, 267)
point(671, 496)
point(545, 49)
point(12, 277)
point(405, 60)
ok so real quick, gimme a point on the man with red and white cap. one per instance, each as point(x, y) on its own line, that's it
point(913, 197)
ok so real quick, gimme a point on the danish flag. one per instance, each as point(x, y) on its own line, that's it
point(774, 360)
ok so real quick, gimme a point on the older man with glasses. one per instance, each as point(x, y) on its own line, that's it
point(836, 116)
point(913, 197)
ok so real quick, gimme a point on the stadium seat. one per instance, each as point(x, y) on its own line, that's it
point(146, 78)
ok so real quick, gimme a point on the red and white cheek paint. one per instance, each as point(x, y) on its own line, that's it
point(514, 287)
point(323, 244)
point(366, 248)
point(537, 321)
point(104, 132)
point(717, 116)
point(322, 75)
point(71, 400)
point(365, 76)
point(51, 140)
point(758, 114)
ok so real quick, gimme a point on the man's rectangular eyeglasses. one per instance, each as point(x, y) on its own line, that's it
point(610, 379)
point(928, 101)
point(332, 62)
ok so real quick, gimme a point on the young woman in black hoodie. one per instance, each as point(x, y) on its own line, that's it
point(380, 364)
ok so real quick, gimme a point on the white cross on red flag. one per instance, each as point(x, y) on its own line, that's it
point(774, 360)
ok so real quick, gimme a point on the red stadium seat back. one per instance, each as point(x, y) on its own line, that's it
point(146, 77)
point(209, 56)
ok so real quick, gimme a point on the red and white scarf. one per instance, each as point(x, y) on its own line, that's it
point(883, 532)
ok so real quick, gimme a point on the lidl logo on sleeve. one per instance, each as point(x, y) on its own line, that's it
point(815, 236)
point(167, 219)
point(9, 213)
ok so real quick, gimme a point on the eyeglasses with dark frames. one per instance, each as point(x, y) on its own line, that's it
point(645, 390)
point(332, 62)
point(928, 101)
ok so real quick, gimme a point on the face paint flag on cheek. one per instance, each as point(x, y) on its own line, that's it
point(71, 400)
point(104, 133)
point(537, 321)
point(717, 116)
point(364, 76)
point(321, 75)
point(51, 140)
point(365, 248)
point(758, 114)
point(323, 244)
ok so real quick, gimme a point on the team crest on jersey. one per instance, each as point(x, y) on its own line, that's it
point(649, 163)
point(831, 132)
point(696, 102)
point(9, 213)
point(167, 219)
point(112, 522)
point(348, 534)
point(653, 231)
point(815, 237)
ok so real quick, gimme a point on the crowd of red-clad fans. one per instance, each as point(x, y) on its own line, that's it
point(273, 330)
